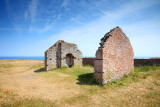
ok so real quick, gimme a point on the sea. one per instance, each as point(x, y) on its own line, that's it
point(23, 57)
point(42, 57)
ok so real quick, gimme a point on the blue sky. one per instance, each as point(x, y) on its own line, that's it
point(29, 27)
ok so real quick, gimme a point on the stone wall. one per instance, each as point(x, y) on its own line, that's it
point(51, 57)
point(114, 57)
point(137, 62)
point(145, 62)
point(55, 56)
point(88, 61)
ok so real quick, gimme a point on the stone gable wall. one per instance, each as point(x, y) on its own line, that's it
point(114, 57)
point(55, 56)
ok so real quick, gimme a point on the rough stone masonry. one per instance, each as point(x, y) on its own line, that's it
point(114, 57)
point(62, 54)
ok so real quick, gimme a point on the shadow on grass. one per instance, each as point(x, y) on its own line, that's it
point(86, 79)
point(40, 70)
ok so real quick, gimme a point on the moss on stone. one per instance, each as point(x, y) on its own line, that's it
point(67, 42)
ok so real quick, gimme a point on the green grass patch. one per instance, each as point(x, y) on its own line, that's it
point(146, 68)
point(73, 71)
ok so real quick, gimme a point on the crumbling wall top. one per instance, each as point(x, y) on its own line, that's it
point(60, 41)
point(107, 35)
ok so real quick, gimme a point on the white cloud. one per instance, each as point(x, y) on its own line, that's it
point(78, 19)
point(65, 3)
point(49, 25)
point(26, 16)
point(31, 11)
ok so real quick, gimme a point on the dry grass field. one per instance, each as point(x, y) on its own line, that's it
point(24, 83)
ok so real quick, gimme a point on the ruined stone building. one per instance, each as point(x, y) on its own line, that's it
point(62, 54)
point(114, 57)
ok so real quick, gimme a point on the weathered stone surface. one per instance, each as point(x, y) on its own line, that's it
point(62, 54)
point(114, 57)
point(98, 65)
point(98, 77)
point(99, 53)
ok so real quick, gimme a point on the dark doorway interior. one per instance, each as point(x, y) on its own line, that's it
point(69, 60)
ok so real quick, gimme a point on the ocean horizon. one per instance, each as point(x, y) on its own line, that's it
point(23, 57)
point(42, 57)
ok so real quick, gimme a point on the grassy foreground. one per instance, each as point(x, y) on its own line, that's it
point(24, 83)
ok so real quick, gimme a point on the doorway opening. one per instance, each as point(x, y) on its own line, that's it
point(69, 60)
